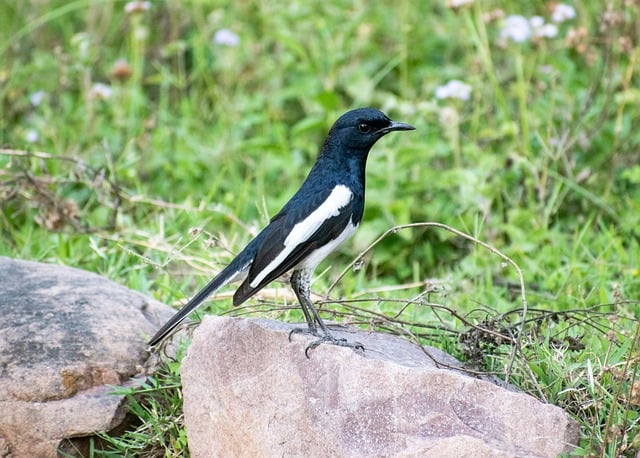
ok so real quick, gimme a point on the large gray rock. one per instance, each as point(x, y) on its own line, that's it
point(65, 335)
point(248, 391)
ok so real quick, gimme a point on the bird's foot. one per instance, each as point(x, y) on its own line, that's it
point(310, 330)
point(324, 339)
point(329, 339)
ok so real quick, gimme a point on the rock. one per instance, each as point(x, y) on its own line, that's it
point(248, 391)
point(65, 335)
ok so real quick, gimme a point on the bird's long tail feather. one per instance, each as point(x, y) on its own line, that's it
point(227, 275)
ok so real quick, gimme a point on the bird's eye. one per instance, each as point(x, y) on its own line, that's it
point(364, 127)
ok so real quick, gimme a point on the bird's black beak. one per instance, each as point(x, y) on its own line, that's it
point(397, 126)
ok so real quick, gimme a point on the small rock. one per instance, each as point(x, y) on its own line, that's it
point(248, 391)
point(66, 334)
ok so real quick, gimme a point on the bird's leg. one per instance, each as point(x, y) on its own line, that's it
point(300, 283)
point(300, 280)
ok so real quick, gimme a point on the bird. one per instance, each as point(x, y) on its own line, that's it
point(324, 212)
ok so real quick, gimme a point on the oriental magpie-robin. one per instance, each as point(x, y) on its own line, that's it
point(324, 212)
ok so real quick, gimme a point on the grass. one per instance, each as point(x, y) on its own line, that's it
point(157, 178)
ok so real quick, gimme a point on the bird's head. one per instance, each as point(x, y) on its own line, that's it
point(362, 127)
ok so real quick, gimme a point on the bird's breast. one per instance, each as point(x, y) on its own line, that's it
point(316, 256)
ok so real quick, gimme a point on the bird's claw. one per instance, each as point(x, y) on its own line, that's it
point(312, 331)
point(324, 339)
point(329, 339)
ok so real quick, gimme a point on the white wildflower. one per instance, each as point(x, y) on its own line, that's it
point(562, 12)
point(31, 136)
point(546, 31)
point(454, 89)
point(100, 91)
point(516, 28)
point(37, 97)
point(536, 22)
point(226, 37)
point(540, 29)
point(455, 4)
point(520, 29)
point(136, 7)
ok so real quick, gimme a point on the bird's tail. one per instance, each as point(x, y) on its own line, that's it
point(227, 275)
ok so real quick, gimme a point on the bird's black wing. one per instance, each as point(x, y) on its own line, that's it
point(279, 251)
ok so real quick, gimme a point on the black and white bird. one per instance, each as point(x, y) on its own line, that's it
point(325, 212)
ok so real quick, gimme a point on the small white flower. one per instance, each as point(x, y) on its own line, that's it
point(37, 97)
point(226, 37)
point(541, 30)
point(31, 136)
point(520, 29)
point(516, 28)
point(536, 22)
point(546, 31)
point(136, 7)
point(100, 91)
point(454, 89)
point(562, 12)
point(455, 4)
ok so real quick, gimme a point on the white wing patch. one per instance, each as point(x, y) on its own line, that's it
point(339, 197)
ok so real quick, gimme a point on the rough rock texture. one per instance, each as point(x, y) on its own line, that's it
point(248, 391)
point(65, 334)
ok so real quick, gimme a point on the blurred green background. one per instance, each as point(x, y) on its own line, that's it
point(148, 142)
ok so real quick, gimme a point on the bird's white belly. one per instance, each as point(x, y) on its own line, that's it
point(316, 257)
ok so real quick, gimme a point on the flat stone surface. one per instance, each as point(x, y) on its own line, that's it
point(248, 391)
point(66, 335)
